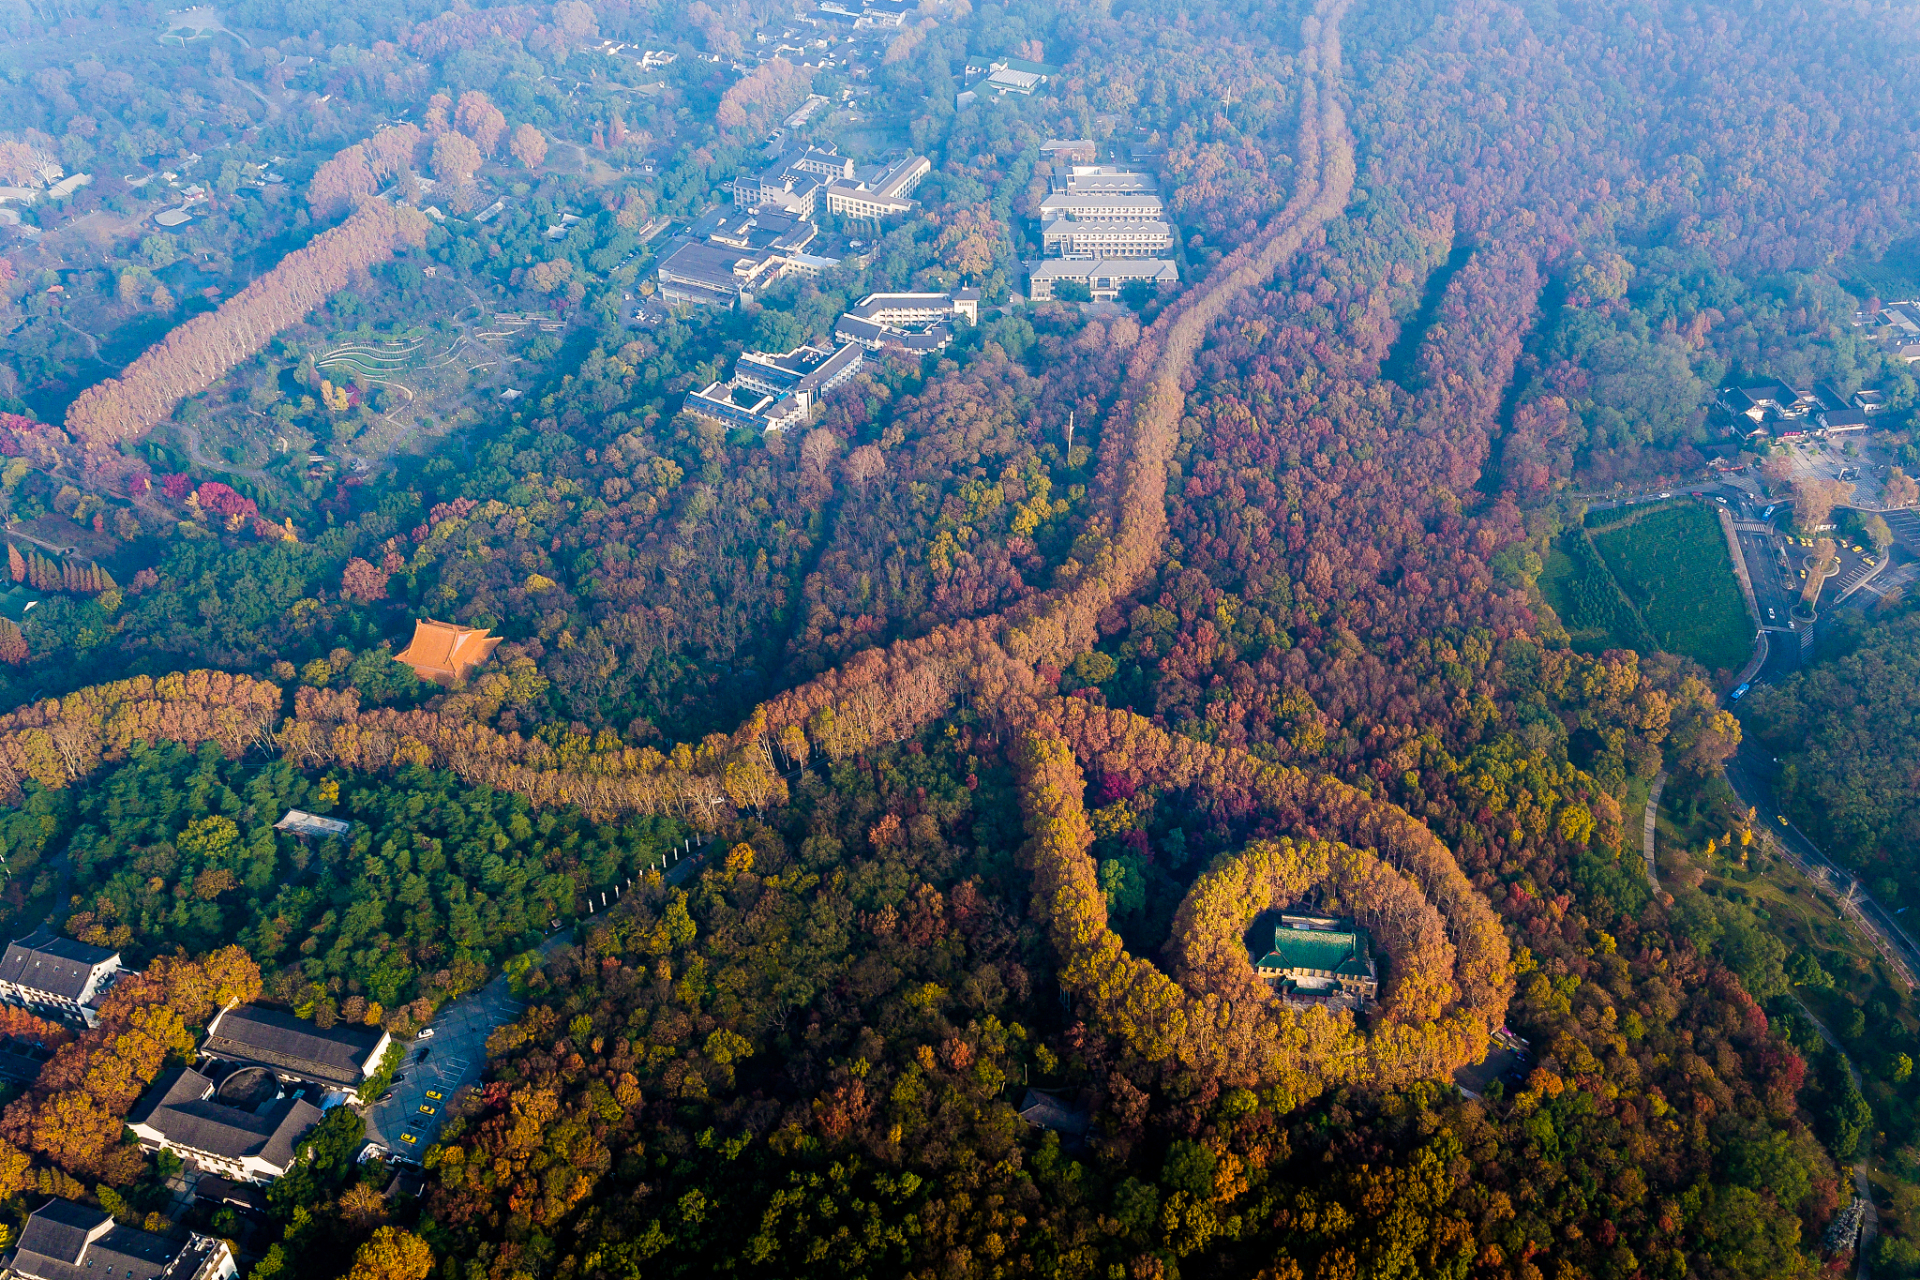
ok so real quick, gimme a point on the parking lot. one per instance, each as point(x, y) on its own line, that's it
point(408, 1122)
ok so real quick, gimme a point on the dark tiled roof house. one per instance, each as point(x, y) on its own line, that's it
point(342, 1055)
point(67, 1241)
point(180, 1114)
point(57, 977)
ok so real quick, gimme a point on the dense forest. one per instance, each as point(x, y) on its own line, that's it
point(1844, 731)
point(1015, 692)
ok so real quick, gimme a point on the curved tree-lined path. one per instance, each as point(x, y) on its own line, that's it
point(885, 695)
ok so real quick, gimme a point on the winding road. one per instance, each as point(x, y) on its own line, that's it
point(1746, 774)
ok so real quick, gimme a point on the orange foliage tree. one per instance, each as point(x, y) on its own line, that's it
point(74, 1113)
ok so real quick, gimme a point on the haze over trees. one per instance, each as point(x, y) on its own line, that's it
point(1010, 692)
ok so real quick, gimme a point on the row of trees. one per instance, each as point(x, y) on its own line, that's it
point(196, 354)
point(60, 741)
point(47, 574)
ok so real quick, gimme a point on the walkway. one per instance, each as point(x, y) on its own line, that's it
point(1653, 811)
point(1870, 1222)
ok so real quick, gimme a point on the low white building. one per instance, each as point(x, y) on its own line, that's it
point(1103, 278)
point(180, 1113)
point(342, 1055)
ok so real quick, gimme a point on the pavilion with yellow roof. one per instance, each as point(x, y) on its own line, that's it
point(445, 652)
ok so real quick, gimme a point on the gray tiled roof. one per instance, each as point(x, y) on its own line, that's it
point(273, 1038)
point(178, 1106)
point(59, 1230)
point(54, 1246)
point(47, 962)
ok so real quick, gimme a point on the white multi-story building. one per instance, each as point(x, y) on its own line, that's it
point(64, 1240)
point(58, 977)
point(180, 1113)
point(878, 193)
point(1106, 237)
point(786, 387)
point(912, 322)
point(1093, 205)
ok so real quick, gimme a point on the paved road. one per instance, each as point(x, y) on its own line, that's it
point(1773, 590)
point(1748, 773)
point(1653, 813)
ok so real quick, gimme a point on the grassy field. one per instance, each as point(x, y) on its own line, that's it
point(1673, 565)
point(1581, 589)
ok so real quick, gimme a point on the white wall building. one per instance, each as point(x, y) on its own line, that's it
point(57, 977)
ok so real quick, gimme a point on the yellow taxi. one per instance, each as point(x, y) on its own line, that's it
point(435, 1094)
point(409, 1139)
point(426, 1110)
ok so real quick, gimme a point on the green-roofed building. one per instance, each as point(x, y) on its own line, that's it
point(1320, 957)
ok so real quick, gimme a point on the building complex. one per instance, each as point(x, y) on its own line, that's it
point(772, 392)
point(1102, 227)
point(804, 179)
point(730, 255)
point(1320, 958)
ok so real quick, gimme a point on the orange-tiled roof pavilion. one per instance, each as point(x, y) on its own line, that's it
point(445, 652)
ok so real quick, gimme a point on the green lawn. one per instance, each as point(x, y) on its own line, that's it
point(1672, 563)
point(1577, 583)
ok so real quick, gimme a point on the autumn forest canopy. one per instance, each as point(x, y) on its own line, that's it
point(860, 836)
